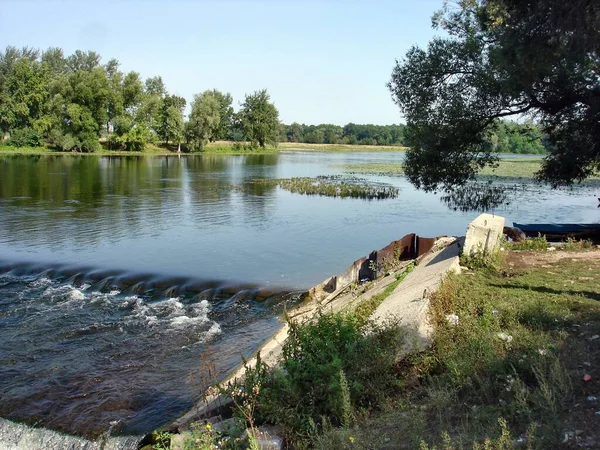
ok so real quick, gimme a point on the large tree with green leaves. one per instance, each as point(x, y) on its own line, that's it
point(203, 122)
point(538, 59)
point(260, 119)
point(170, 124)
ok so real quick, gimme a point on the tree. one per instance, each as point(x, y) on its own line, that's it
point(155, 86)
point(24, 92)
point(204, 121)
point(502, 58)
point(225, 115)
point(170, 126)
point(260, 119)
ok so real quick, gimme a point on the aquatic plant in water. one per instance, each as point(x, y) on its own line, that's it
point(335, 186)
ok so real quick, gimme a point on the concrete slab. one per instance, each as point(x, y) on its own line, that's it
point(17, 436)
point(483, 235)
point(409, 303)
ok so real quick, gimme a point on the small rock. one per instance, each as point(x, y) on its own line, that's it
point(178, 441)
point(452, 319)
point(230, 427)
point(551, 249)
point(505, 337)
point(594, 337)
point(591, 398)
point(268, 438)
point(587, 364)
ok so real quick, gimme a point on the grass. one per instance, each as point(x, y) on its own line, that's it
point(511, 369)
point(371, 168)
point(508, 371)
point(507, 168)
point(340, 148)
point(333, 186)
point(219, 147)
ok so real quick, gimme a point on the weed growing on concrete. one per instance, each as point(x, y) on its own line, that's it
point(364, 309)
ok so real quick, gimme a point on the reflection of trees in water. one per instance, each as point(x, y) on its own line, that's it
point(481, 196)
point(257, 197)
point(88, 199)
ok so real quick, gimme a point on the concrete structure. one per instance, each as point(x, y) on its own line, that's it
point(17, 436)
point(409, 303)
point(484, 235)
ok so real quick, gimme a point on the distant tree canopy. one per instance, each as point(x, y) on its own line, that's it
point(74, 103)
point(537, 59)
point(349, 134)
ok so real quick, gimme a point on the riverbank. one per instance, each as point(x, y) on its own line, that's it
point(513, 168)
point(339, 148)
point(219, 147)
point(211, 148)
point(514, 363)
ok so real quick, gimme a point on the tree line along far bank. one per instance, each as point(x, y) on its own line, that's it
point(76, 103)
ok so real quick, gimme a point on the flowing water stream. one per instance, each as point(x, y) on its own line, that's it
point(122, 279)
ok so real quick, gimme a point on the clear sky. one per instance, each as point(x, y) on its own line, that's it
point(324, 61)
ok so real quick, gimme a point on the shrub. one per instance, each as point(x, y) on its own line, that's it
point(24, 137)
point(329, 367)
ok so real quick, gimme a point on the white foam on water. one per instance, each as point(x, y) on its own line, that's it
point(213, 331)
point(41, 282)
point(64, 295)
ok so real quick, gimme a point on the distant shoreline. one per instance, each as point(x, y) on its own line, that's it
point(213, 148)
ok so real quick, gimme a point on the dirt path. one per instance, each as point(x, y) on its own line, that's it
point(525, 259)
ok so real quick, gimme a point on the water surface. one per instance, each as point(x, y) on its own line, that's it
point(115, 272)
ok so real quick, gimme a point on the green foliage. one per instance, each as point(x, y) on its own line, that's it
point(170, 124)
point(322, 373)
point(334, 186)
point(135, 139)
point(577, 244)
point(349, 134)
point(24, 137)
point(538, 243)
point(259, 119)
point(512, 137)
point(502, 58)
point(204, 121)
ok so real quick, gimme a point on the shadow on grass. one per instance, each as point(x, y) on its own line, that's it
point(546, 290)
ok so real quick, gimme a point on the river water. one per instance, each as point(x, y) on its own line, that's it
point(129, 283)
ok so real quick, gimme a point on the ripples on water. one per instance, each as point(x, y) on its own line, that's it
point(83, 354)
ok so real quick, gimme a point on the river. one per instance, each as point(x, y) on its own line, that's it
point(123, 280)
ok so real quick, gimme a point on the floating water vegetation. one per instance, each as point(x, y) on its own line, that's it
point(335, 186)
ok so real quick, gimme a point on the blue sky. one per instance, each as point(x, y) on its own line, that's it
point(322, 61)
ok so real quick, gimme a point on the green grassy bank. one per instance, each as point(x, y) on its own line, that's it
point(219, 147)
point(340, 148)
point(514, 364)
point(524, 168)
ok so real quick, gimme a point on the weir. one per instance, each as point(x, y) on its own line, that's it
point(409, 302)
point(366, 277)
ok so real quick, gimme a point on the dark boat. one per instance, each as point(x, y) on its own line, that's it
point(561, 231)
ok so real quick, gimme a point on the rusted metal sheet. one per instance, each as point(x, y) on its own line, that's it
point(424, 245)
